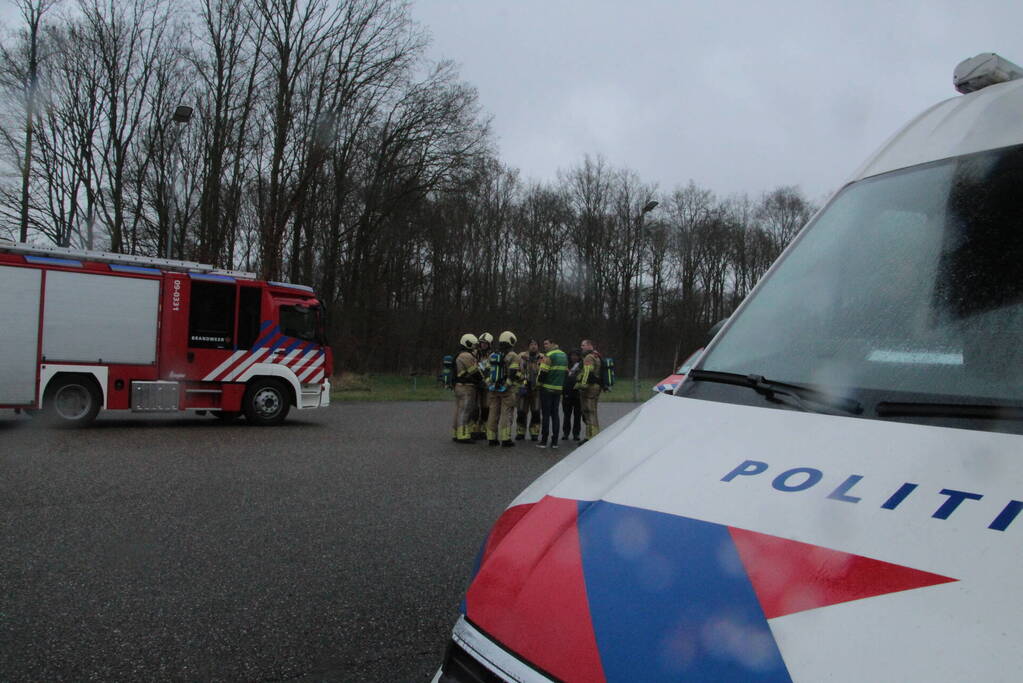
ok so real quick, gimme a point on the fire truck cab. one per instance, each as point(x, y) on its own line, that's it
point(88, 330)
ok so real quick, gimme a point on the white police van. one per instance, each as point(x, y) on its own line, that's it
point(835, 492)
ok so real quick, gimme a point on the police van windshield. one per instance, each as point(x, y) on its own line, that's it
point(907, 284)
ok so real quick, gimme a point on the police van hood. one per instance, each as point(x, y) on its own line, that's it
point(725, 542)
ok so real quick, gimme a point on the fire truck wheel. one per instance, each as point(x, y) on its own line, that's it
point(71, 401)
point(266, 402)
point(226, 415)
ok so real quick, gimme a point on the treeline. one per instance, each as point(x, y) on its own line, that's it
point(325, 149)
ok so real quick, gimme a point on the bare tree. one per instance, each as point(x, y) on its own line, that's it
point(297, 35)
point(129, 39)
point(19, 75)
point(589, 191)
point(782, 212)
point(32, 12)
point(688, 209)
point(224, 56)
point(66, 187)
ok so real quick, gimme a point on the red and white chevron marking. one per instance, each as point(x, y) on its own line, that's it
point(306, 361)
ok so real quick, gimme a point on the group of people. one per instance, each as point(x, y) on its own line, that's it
point(498, 390)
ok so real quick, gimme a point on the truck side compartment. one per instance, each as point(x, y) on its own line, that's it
point(20, 294)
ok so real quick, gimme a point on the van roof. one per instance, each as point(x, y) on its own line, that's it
point(983, 120)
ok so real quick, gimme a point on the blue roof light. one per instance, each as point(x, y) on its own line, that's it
point(210, 276)
point(135, 269)
point(44, 260)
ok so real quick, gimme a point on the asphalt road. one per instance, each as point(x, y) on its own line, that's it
point(335, 547)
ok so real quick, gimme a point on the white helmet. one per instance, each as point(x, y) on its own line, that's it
point(487, 337)
point(469, 341)
point(507, 338)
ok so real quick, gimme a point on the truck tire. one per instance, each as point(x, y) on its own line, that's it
point(71, 401)
point(266, 402)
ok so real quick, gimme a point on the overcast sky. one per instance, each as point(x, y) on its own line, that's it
point(738, 96)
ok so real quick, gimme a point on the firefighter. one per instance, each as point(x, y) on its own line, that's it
point(481, 408)
point(467, 378)
point(590, 387)
point(529, 393)
point(503, 383)
point(553, 370)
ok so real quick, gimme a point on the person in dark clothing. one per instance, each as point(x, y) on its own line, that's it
point(570, 403)
point(551, 378)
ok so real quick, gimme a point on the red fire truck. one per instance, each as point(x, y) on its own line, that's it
point(85, 330)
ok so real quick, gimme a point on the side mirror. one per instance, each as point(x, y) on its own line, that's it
point(712, 332)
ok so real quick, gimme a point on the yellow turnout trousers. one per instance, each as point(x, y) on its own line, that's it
point(465, 400)
point(502, 414)
point(589, 396)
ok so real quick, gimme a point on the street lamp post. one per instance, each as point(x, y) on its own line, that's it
point(182, 115)
point(647, 208)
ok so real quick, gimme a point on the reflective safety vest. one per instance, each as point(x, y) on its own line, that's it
point(553, 370)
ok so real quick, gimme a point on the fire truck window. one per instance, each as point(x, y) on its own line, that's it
point(248, 316)
point(211, 316)
point(298, 322)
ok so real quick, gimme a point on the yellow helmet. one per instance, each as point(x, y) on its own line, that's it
point(469, 341)
point(487, 337)
point(508, 338)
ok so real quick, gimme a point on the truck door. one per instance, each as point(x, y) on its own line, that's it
point(300, 322)
point(227, 330)
point(212, 308)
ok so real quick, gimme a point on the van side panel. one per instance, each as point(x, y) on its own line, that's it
point(19, 309)
point(100, 318)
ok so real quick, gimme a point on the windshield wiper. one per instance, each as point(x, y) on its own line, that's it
point(804, 398)
point(965, 410)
